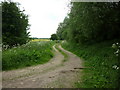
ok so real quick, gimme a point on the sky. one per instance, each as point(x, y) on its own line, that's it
point(44, 15)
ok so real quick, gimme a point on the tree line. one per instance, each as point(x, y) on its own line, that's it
point(14, 24)
point(91, 22)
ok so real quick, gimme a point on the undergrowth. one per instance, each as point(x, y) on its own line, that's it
point(101, 60)
point(32, 53)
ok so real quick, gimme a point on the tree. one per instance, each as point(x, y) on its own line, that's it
point(53, 37)
point(62, 29)
point(91, 22)
point(14, 24)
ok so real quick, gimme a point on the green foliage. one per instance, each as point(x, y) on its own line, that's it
point(62, 52)
point(54, 37)
point(14, 24)
point(62, 29)
point(100, 62)
point(32, 53)
point(116, 46)
point(90, 28)
point(91, 22)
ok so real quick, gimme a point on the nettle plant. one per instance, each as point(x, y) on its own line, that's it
point(116, 46)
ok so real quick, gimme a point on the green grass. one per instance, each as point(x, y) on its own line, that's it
point(100, 59)
point(32, 53)
point(64, 54)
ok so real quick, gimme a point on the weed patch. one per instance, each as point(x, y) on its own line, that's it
point(32, 53)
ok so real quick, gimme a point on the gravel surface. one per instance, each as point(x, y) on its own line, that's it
point(53, 74)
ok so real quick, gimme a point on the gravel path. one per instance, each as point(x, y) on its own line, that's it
point(54, 74)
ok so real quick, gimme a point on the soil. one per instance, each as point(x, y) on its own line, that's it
point(54, 74)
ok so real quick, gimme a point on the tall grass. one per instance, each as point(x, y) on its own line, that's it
point(101, 60)
point(32, 53)
point(63, 53)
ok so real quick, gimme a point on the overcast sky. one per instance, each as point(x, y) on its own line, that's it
point(44, 15)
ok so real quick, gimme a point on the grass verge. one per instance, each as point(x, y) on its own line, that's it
point(64, 54)
point(101, 59)
point(32, 53)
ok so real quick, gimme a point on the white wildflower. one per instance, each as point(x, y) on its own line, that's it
point(115, 67)
point(113, 46)
point(117, 43)
point(117, 51)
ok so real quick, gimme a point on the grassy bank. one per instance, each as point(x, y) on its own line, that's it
point(101, 60)
point(27, 55)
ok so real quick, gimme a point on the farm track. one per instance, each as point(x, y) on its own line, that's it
point(53, 74)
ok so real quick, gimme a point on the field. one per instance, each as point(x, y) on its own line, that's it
point(32, 53)
point(101, 62)
point(36, 40)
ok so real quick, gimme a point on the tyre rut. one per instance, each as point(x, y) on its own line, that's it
point(53, 74)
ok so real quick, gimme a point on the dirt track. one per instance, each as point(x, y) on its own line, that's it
point(54, 74)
